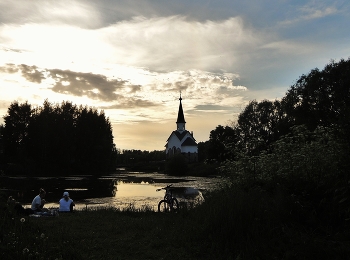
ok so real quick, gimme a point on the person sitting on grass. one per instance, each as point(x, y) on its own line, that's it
point(39, 202)
point(16, 207)
point(66, 203)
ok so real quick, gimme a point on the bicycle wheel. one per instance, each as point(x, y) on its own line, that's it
point(175, 205)
point(163, 206)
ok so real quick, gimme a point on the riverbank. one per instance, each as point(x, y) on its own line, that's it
point(115, 189)
point(231, 224)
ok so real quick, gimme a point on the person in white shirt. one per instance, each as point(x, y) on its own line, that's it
point(66, 203)
point(39, 202)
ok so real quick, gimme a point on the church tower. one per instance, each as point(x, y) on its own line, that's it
point(180, 118)
point(182, 141)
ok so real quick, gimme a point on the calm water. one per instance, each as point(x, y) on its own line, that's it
point(121, 189)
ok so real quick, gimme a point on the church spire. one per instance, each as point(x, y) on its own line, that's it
point(180, 117)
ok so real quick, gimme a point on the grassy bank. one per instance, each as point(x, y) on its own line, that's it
point(231, 224)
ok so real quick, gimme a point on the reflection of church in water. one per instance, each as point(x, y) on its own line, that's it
point(181, 141)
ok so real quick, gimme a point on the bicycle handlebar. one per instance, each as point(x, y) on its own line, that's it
point(167, 187)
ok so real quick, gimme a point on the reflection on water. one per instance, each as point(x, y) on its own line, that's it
point(125, 189)
point(117, 190)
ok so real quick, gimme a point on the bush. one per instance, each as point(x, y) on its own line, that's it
point(176, 165)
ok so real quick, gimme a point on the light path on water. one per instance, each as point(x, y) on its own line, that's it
point(138, 190)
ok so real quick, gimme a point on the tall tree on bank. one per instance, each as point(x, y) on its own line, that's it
point(58, 138)
point(16, 130)
point(320, 98)
point(260, 124)
point(219, 145)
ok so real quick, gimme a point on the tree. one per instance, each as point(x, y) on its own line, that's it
point(59, 138)
point(15, 131)
point(260, 124)
point(2, 159)
point(203, 151)
point(220, 142)
point(321, 98)
point(176, 165)
point(95, 143)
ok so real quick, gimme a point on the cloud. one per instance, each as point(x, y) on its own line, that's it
point(228, 91)
point(310, 12)
point(174, 43)
point(290, 47)
point(12, 50)
point(129, 103)
point(210, 107)
point(133, 57)
point(4, 105)
point(31, 73)
point(77, 13)
point(92, 85)
point(194, 83)
point(156, 45)
point(315, 12)
point(161, 44)
point(9, 68)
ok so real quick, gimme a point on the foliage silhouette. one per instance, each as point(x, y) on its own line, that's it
point(299, 146)
point(57, 138)
point(176, 165)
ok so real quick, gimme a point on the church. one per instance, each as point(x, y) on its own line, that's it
point(182, 141)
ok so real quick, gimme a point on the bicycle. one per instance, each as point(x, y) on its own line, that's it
point(169, 203)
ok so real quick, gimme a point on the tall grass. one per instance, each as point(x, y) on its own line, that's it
point(232, 223)
point(256, 224)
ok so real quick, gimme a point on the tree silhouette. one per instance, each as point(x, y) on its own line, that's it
point(318, 99)
point(15, 132)
point(321, 98)
point(57, 138)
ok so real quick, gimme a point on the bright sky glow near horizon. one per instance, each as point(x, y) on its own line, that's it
point(132, 58)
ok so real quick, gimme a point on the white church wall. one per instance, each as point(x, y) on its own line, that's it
point(173, 141)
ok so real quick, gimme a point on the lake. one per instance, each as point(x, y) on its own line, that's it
point(121, 189)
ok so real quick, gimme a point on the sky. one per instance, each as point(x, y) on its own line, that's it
point(133, 58)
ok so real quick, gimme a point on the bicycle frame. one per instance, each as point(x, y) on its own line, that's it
point(169, 202)
point(168, 195)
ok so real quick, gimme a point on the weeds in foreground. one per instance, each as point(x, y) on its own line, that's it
point(231, 224)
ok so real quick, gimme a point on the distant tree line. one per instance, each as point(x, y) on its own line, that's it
point(56, 138)
point(137, 160)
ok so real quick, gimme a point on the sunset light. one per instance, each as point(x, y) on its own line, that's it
point(133, 60)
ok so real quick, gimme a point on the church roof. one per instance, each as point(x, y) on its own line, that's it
point(189, 142)
point(180, 114)
point(180, 135)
